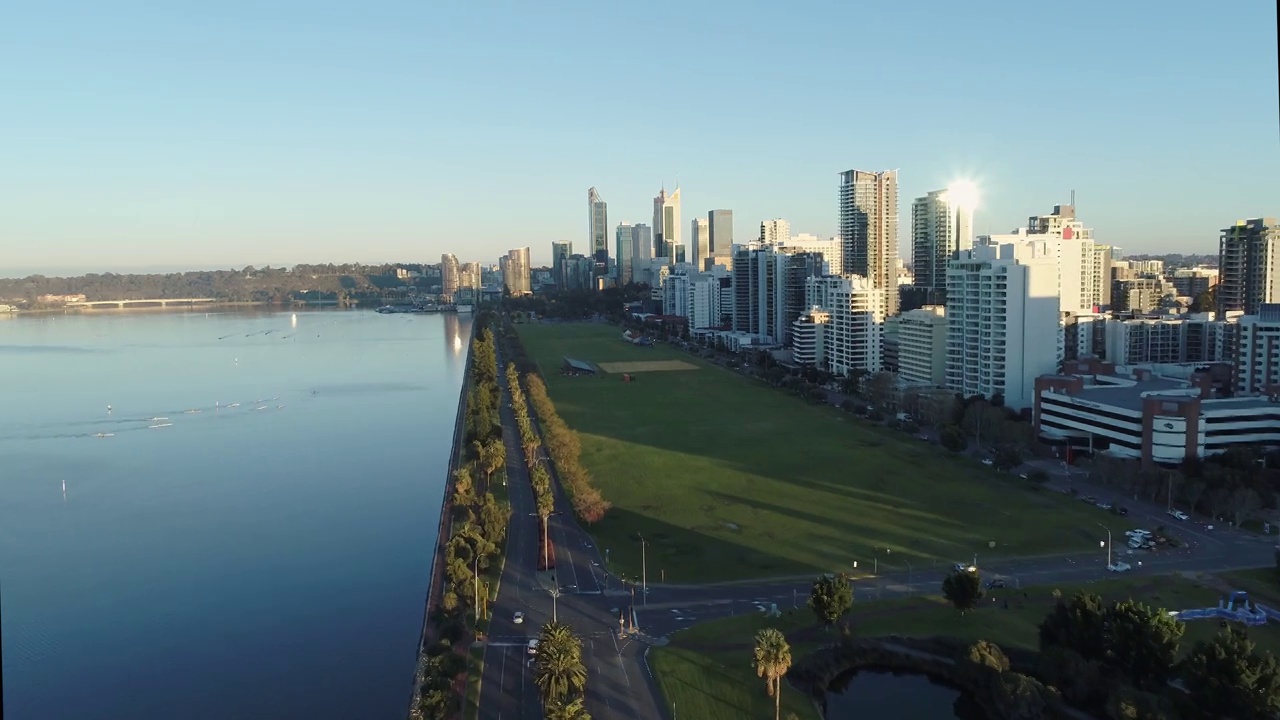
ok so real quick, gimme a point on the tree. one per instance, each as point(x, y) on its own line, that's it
point(1230, 676)
point(772, 659)
point(953, 438)
point(1076, 625)
point(1142, 643)
point(558, 669)
point(981, 419)
point(963, 589)
point(880, 389)
point(1205, 301)
point(831, 597)
point(546, 505)
point(1243, 501)
point(572, 710)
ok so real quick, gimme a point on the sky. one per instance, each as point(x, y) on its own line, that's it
point(138, 135)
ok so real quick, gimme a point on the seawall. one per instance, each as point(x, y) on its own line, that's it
point(435, 587)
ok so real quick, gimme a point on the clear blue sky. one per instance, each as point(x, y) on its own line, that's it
point(219, 134)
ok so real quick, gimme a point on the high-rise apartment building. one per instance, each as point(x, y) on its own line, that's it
point(869, 229)
point(922, 346)
point(1002, 321)
point(773, 232)
point(666, 225)
point(1190, 282)
point(828, 248)
point(1084, 266)
point(1258, 366)
point(1190, 338)
point(560, 252)
point(699, 241)
point(941, 227)
point(641, 245)
point(449, 279)
point(769, 290)
point(720, 236)
point(516, 270)
point(598, 227)
point(1249, 266)
point(853, 336)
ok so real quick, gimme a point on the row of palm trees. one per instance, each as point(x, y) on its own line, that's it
point(560, 674)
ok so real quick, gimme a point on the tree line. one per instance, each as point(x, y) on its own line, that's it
point(565, 450)
point(250, 284)
point(531, 444)
point(477, 526)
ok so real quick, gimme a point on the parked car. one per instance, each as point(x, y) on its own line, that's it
point(1119, 567)
point(964, 567)
point(1089, 499)
point(988, 461)
point(518, 618)
point(1122, 510)
point(1105, 505)
point(1023, 476)
point(1138, 533)
point(996, 583)
point(1179, 515)
point(533, 646)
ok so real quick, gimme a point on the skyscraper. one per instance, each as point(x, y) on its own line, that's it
point(720, 235)
point(598, 222)
point(869, 229)
point(448, 276)
point(700, 240)
point(775, 232)
point(941, 226)
point(623, 252)
point(560, 252)
point(642, 245)
point(515, 271)
point(666, 224)
point(1248, 266)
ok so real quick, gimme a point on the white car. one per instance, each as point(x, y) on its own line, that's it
point(1119, 567)
point(1138, 534)
point(1179, 515)
point(518, 618)
point(533, 646)
point(964, 567)
point(988, 461)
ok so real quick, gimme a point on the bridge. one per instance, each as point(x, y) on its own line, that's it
point(148, 302)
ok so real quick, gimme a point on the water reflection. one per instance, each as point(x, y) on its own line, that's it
point(872, 694)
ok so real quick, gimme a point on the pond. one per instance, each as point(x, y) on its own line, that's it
point(871, 694)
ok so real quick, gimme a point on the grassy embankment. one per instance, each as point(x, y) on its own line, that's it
point(727, 478)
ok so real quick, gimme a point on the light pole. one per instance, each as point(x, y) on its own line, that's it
point(644, 572)
point(1104, 527)
point(555, 593)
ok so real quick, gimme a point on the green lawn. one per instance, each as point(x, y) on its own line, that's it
point(727, 478)
point(1260, 583)
point(708, 667)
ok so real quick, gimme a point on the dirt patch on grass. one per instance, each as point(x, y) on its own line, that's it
point(640, 366)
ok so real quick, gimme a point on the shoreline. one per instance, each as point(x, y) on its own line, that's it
point(442, 536)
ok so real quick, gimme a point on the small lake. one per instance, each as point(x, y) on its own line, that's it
point(887, 695)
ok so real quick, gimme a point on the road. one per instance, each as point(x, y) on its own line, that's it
point(620, 684)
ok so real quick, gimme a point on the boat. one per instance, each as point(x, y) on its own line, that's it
point(234, 405)
point(160, 425)
point(104, 435)
point(465, 308)
point(261, 407)
point(192, 412)
point(158, 419)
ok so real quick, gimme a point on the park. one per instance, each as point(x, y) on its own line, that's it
point(727, 479)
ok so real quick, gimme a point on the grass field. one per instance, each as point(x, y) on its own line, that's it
point(727, 478)
point(708, 667)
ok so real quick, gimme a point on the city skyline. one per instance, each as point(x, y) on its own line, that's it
point(143, 140)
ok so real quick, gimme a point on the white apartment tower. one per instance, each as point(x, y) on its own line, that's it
point(1002, 322)
point(853, 336)
point(1258, 366)
point(869, 229)
point(941, 227)
point(829, 249)
point(922, 346)
point(449, 276)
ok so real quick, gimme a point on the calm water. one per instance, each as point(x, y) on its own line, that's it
point(261, 561)
point(885, 695)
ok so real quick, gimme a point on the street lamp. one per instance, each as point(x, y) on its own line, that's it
point(1104, 527)
point(644, 571)
point(555, 593)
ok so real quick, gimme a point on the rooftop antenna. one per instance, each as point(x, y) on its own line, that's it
point(1073, 198)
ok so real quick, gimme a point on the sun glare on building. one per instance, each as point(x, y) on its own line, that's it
point(964, 193)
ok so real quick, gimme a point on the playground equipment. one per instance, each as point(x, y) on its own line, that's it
point(1236, 607)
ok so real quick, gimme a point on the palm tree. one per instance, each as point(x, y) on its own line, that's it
point(558, 670)
point(572, 710)
point(772, 660)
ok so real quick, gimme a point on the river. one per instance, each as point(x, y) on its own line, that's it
point(267, 556)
